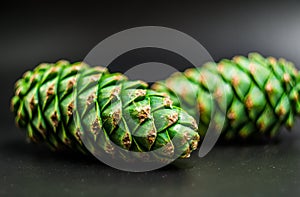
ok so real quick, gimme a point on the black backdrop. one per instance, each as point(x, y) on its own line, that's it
point(35, 31)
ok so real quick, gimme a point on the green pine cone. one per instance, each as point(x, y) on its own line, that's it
point(255, 95)
point(62, 104)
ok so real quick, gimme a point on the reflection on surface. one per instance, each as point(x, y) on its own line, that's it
point(273, 168)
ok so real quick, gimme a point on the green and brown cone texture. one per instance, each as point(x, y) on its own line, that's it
point(255, 95)
point(63, 103)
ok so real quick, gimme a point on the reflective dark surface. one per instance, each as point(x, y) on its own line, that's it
point(34, 32)
point(236, 170)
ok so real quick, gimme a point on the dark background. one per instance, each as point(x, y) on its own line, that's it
point(35, 31)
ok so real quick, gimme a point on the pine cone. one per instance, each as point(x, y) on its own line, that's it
point(255, 95)
point(63, 103)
